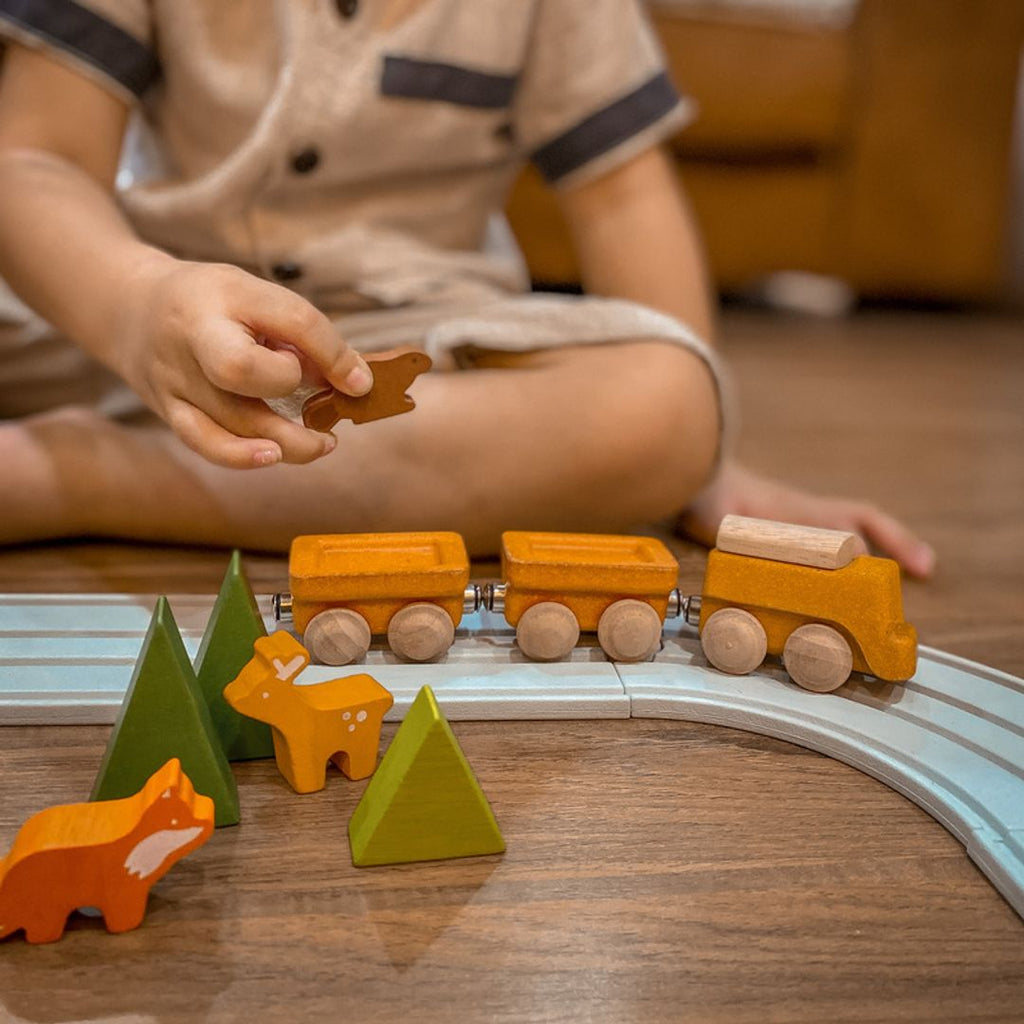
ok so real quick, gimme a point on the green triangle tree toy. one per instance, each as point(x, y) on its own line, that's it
point(235, 625)
point(164, 715)
point(424, 802)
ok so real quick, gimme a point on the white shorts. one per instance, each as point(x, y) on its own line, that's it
point(40, 370)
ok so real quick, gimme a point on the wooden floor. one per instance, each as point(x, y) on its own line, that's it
point(656, 871)
point(923, 414)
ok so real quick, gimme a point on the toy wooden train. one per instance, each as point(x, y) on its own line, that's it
point(804, 594)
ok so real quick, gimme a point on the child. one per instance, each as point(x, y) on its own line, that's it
point(322, 180)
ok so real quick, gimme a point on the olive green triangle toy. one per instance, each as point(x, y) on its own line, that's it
point(164, 715)
point(424, 802)
point(235, 625)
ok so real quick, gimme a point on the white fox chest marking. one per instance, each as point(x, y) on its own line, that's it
point(148, 854)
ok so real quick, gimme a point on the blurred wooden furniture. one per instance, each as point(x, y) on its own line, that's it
point(875, 148)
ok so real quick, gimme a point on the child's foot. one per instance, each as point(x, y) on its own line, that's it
point(39, 459)
point(73, 473)
point(737, 490)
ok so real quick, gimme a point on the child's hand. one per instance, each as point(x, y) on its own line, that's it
point(204, 344)
point(739, 491)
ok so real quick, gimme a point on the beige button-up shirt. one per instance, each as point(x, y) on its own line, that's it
point(359, 150)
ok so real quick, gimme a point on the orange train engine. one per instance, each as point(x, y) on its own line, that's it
point(807, 596)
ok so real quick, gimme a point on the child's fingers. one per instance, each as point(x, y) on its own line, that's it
point(311, 375)
point(891, 537)
point(203, 435)
point(882, 532)
point(235, 362)
point(285, 317)
point(244, 433)
point(251, 418)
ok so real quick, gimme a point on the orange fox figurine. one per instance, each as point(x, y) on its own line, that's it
point(335, 721)
point(106, 854)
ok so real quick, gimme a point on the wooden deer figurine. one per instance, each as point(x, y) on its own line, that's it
point(335, 721)
point(106, 854)
point(392, 376)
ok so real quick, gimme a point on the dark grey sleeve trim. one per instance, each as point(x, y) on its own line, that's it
point(71, 27)
point(430, 80)
point(606, 129)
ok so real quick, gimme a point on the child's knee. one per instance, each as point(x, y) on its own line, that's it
point(672, 421)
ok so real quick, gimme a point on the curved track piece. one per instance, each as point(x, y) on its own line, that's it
point(951, 739)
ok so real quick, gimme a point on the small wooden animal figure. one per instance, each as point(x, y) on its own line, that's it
point(392, 376)
point(335, 721)
point(105, 854)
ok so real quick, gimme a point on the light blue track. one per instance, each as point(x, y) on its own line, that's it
point(951, 739)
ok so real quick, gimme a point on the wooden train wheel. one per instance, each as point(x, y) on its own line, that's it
point(629, 630)
point(734, 641)
point(817, 657)
point(337, 636)
point(421, 632)
point(547, 631)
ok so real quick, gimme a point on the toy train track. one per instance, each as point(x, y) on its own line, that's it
point(951, 738)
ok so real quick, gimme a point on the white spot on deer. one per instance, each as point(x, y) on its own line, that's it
point(286, 671)
point(352, 728)
point(265, 695)
point(166, 794)
point(347, 715)
point(148, 854)
point(361, 717)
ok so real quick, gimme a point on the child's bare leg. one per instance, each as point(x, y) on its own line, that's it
point(582, 438)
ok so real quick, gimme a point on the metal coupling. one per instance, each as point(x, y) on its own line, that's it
point(282, 607)
point(494, 596)
point(687, 608)
point(471, 598)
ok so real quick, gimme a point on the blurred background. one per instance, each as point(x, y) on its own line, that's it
point(857, 169)
point(871, 142)
point(853, 168)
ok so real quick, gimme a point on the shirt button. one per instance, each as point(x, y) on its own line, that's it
point(306, 160)
point(347, 8)
point(287, 270)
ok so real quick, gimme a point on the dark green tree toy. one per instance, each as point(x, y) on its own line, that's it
point(235, 625)
point(164, 715)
